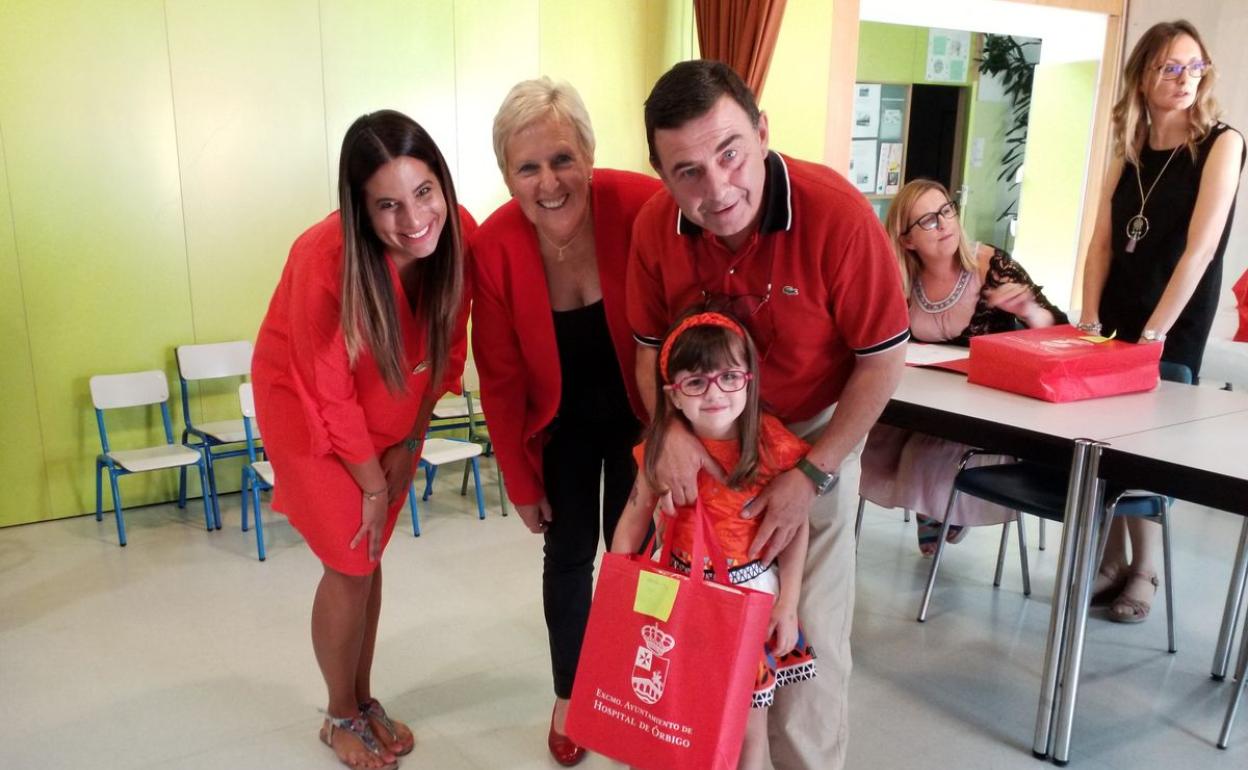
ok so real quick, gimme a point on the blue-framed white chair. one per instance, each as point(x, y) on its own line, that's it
point(119, 391)
point(440, 451)
point(220, 438)
point(257, 473)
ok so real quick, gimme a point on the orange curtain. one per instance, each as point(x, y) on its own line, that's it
point(742, 34)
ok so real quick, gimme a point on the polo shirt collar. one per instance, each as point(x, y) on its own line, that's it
point(777, 201)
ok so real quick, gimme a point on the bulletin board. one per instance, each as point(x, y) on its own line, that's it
point(877, 156)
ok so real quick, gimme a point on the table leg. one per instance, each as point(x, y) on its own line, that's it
point(1091, 514)
point(1057, 613)
point(1230, 613)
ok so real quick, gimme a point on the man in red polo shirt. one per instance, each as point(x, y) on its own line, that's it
point(798, 255)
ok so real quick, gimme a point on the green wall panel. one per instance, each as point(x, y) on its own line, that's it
point(22, 473)
point(575, 39)
point(393, 54)
point(250, 120)
point(161, 158)
point(97, 217)
point(496, 45)
point(1051, 204)
point(795, 95)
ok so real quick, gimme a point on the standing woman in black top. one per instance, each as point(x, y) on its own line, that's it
point(1154, 267)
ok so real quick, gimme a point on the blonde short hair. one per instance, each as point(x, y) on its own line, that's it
point(532, 100)
point(1130, 114)
point(896, 222)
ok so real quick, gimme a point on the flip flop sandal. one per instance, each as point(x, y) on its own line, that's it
point(1109, 593)
point(372, 709)
point(928, 531)
point(357, 726)
point(1128, 610)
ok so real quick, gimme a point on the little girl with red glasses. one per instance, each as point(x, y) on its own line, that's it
point(708, 377)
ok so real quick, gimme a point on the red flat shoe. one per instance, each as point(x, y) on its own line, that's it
point(562, 748)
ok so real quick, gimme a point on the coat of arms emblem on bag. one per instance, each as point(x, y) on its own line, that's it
point(650, 667)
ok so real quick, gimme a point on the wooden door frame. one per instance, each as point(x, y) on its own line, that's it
point(844, 68)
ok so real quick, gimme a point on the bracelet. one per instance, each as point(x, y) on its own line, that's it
point(1093, 328)
point(371, 496)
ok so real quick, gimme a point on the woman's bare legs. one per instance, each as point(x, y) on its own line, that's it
point(341, 623)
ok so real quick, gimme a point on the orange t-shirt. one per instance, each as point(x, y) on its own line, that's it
point(779, 450)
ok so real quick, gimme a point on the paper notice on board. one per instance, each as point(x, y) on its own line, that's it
point(866, 110)
point(948, 55)
point(862, 158)
point(888, 173)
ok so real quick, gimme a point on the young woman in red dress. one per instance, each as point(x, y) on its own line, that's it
point(367, 328)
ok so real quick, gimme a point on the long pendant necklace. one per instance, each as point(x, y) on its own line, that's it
point(1137, 226)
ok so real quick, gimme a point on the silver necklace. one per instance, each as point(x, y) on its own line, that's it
point(927, 306)
point(1137, 226)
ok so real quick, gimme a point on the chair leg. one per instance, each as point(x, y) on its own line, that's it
point(1230, 613)
point(1022, 552)
point(209, 517)
point(1042, 522)
point(255, 500)
point(940, 552)
point(121, 519)
point(1237, 692)
point(210, 487)
point(476, 484)
point(862, 504)
point(411, 502)
point(463, 483)
point(1169, 577)
point(243, 492)
point(99, 492)
point(1005, 542)
point(431, 471)
point(182, 478)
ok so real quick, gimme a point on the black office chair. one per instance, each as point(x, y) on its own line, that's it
point(1041, 490)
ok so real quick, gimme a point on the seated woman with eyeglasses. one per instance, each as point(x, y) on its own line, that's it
point(955, 292)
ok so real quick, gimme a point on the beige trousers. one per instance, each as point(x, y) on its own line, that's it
point(808, 727)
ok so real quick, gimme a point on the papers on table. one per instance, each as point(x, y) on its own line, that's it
point(949, 357)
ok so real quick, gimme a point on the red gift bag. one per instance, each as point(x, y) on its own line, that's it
point(669, 661)
point(1240, 290)
point(1058, 363)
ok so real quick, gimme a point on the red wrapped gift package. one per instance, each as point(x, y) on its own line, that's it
point(1060, 363)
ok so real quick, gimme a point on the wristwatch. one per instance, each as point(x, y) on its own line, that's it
point(822, 480)
point(1152, 335)
point(412, 445)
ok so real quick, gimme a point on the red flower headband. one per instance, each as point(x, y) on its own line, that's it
point(700, 319)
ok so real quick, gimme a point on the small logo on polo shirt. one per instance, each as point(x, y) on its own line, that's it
point(790, 291)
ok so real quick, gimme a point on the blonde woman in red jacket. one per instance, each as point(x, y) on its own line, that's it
point(555, 351)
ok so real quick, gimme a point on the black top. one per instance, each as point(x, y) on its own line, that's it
point(1137, 279)
point(592, 386)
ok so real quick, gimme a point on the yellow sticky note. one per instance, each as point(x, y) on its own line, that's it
point(1097, 338)
point(655, 595)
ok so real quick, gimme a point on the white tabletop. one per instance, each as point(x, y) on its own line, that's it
point(1216, 444)
point(1099, 418)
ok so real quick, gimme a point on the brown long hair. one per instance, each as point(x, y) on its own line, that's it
point(1130, 114)
point(369, 318)
point(895, 222)
point(705, 348)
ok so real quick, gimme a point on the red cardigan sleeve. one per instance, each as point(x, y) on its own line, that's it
point(320, 367)
point(497, 353)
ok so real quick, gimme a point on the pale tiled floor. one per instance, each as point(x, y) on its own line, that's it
point(181, 650)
